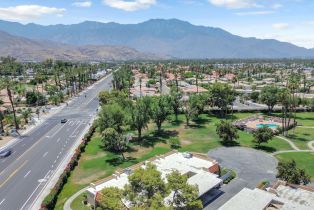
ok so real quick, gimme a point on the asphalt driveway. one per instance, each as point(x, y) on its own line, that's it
point(252, 167)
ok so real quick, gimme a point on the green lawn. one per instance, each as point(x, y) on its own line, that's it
point(304, 160)
point(301, 136)
point(200, 136)
point(305, 118)
point(96, 164)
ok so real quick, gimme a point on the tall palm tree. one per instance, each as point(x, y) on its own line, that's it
point(1, 121)
point(8, 84)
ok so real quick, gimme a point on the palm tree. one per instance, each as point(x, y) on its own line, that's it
point(1, 121)
point(26, 114)
point(8, 84)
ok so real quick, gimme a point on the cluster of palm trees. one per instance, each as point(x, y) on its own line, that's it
point(48, 81)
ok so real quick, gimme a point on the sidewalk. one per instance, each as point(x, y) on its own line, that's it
point(42, 119)
point(54, 110)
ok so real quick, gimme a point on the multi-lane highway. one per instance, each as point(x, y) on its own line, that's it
point(38, 155)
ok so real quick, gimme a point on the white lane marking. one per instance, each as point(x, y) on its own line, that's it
point(60, 153)
point(57, 131)
point(45, 154)
point(57, 156)
point(2, 201)
point(72, 134)
point(58, 140)
point(27, 173)
point(55, 161)
point(51, 166)
point(30, 196)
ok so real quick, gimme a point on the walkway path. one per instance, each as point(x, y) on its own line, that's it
point(289, 142)
point(67, 205)
point(294, 147)
point(305, 126)
point(311, 145)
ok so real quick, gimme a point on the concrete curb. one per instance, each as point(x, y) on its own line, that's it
point(67, 204)
point(32, 127)
point(36, 204)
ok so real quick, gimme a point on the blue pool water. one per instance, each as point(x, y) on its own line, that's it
point(274, 126)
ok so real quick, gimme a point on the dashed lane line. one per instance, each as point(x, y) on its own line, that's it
point(13, 174)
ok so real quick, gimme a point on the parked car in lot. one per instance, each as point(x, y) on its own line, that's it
point(64, 120)
point(5, 153)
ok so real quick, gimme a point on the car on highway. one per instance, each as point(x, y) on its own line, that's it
point(64, 121)
point(5, 153)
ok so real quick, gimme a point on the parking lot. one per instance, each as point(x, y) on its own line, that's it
point(251, 166)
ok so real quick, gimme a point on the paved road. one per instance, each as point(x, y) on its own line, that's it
point(251, 166)
point(37, 155)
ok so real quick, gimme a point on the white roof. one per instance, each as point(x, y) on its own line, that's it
point(295, 198)
point(290, 199)
point(249, 199)
point(176, 161)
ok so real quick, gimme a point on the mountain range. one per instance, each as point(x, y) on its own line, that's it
point(25, 49)
point(153, 39)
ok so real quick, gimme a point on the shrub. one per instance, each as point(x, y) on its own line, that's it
point(231, 177)
point(174, 142)
point(50, 200)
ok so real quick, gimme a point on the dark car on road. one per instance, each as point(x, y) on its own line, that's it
point(5, 153)
point(64, 120)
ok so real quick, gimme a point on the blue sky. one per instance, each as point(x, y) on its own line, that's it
point(285, 20)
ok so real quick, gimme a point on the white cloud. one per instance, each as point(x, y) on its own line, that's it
point(310, 22)
point(130, 5)
point(82, 4)
point(280, 26)
point(235, 4)
point(28, 12)
point(276, 6)
point(265, 12)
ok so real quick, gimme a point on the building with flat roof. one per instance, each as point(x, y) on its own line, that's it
point(201, 171)
point(281, 196)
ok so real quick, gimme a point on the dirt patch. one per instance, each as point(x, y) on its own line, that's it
point(185, 142)
point(78, 179)
point(138, 151)
point(4, 140)
point(91, 157)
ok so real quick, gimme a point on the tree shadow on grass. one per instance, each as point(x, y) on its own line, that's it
point(194, 126)
point(230, 144)
point(202, 121)
point(155, 137)
point(265, 148)
point(176, 122)
point(295, 137)
point(118, 160)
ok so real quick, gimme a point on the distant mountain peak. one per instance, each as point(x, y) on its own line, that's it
point(173, 37)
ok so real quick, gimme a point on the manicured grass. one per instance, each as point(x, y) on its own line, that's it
point(200, 136)
point(304, 160)
point(305, 118)
point(95, 164)
point(301, 136)
point(78, 205)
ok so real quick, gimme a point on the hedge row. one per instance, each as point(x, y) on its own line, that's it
point(50, 200)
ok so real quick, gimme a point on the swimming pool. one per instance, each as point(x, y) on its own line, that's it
point(270, 125)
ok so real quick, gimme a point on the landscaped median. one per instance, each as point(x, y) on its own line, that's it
point(50, 200)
